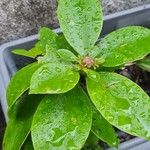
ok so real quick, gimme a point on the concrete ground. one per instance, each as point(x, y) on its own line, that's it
point(112, 6)
point(20, 18)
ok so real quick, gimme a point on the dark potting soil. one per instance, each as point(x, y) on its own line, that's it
point(139, 76)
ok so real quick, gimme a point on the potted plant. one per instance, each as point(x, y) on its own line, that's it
point(50, 101)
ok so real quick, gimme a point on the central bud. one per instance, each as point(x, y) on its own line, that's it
point(88, 62)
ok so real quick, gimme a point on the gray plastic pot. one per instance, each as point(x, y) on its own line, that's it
point(10, 63)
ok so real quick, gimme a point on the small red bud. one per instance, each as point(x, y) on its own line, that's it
point(88, 62)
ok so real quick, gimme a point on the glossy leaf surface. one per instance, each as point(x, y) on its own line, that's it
point(19, 124)
point(81, 22)
point(94, 51)
point(121, 102)
point(67, 55)
point(62, 121)
point(47, 37)
point(125, 45)
point(54, 78)
point(103, 130)
point(144, 64)
point(51, 55)
point(62, 43)
point(32, 53)
point(20, 82)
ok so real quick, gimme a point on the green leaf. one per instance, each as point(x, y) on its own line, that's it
point(101, 128)
point(94, 51)
point(92, 143)
point(121, 102)
point(125, 45)
point(19, 124)
point(54, 78)
point(92, 74)
point(144, 64)
point(51, 55)
point(62, 121)
point(47, 37)
point(33, 53)
point(67, 55)
point(81, 22)
point(28, 145)
point(20, 83)
point(62, 43)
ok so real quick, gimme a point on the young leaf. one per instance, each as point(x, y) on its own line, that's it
point(62, 43)
point(19, 124)
point(51, 55)
point(81, 22)
point(125, 45)
point(67, 55)
point(31, 53)
point(101, 128)
point(121, 102)
point(19, 83)
point(94, 51)
point(47, 37)
point(62, 121)
point(144, 64)
point(54, 78)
